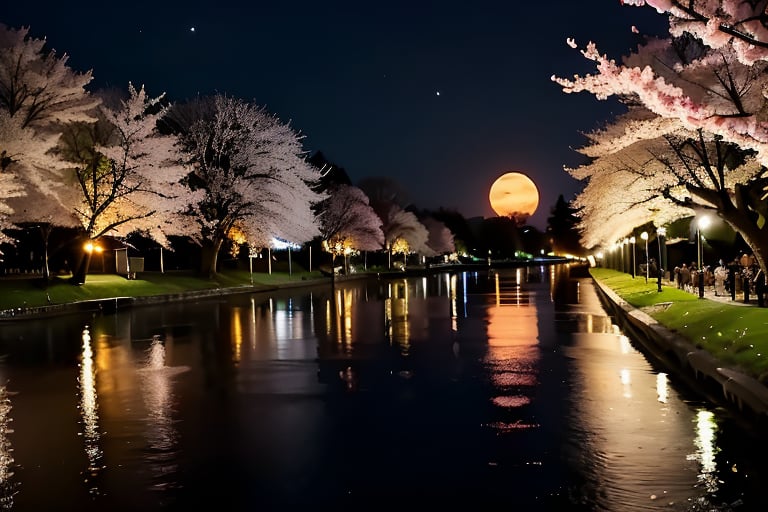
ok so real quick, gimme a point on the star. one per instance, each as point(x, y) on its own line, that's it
point(192, 29)
point(437, 93)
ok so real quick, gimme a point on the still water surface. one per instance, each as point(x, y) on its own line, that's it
point(507, 389)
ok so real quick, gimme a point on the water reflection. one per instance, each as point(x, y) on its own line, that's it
point(157, 394)
point(498, 386)
point(706, 449)
point(662, 387)
point(513, 353)
point(89, 414)
point(396, 315)
point(8, 486)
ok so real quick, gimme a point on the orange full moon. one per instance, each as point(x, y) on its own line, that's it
point(514, 195)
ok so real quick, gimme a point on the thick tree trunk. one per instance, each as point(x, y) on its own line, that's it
point(755, 237)
point(81, 268)
point(743, 213)
point(210, 258)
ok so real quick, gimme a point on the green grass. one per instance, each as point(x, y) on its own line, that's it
point(32, 292)
point(735, 334)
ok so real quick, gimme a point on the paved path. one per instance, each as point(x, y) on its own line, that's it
point(709, 293)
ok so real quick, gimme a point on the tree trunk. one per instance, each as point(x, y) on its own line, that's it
point(754, 236)
point(45, 233)
point(210, 257)
point(81, 268)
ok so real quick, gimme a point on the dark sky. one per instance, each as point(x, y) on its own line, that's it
point(360, 80)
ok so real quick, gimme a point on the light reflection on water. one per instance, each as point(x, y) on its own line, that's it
point(156, 380)
point(513, 354)
point(462, 385)
point(89, 412)
point(8, 485)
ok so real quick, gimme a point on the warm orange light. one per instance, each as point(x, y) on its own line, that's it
point(514, 195)
point(90, 247)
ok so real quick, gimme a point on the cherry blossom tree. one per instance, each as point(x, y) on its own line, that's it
point(11, 188)
point(127, 174)
point(251, 170)
point(347, 222)
point(696, 142)
point(681, 78)
point(669, 177)
point(719, 23)
point(403, 233)
point(440, 238)
point(39, 93)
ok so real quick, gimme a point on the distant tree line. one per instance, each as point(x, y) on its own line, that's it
point(212, 176)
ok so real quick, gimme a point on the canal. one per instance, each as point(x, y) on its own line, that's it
point(501, 389)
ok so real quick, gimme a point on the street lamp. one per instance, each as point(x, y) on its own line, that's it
point(660, 233)
point(703, 223)
point(90, 248)
point(644, 236)
point(632, 241)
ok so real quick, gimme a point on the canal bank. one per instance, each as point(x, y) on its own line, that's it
point(719, 383)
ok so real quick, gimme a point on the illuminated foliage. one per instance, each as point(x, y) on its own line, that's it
point(38, 94)
point(126, 173)
point(400, 246)
point(250, 169)
point(404, 226)
point(718, 23)
point(696, 136)
point(347, 220)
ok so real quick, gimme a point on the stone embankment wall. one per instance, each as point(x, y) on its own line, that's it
point(720, 384)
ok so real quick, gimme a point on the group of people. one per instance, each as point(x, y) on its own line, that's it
point(743, 272)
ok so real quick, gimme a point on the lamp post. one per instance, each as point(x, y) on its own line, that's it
point(702, 223)
point(632, 241)
point(644, 236)
point(660, 233)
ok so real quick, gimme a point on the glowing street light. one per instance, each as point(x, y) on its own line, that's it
point(90, 248)
point(644, 236)
point(632, 241)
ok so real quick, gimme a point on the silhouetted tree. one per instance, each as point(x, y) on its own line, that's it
point(562, 232)
point(331, 175)
point(500, 237)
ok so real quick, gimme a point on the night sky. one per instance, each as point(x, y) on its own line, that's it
point(443, 97)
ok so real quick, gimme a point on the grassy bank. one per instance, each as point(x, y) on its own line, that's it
point(31, 292)
point(735, 334)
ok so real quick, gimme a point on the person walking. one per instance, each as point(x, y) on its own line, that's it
point(721, 274)
point(747, 275)
point(685, 277)
point(733, 269)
